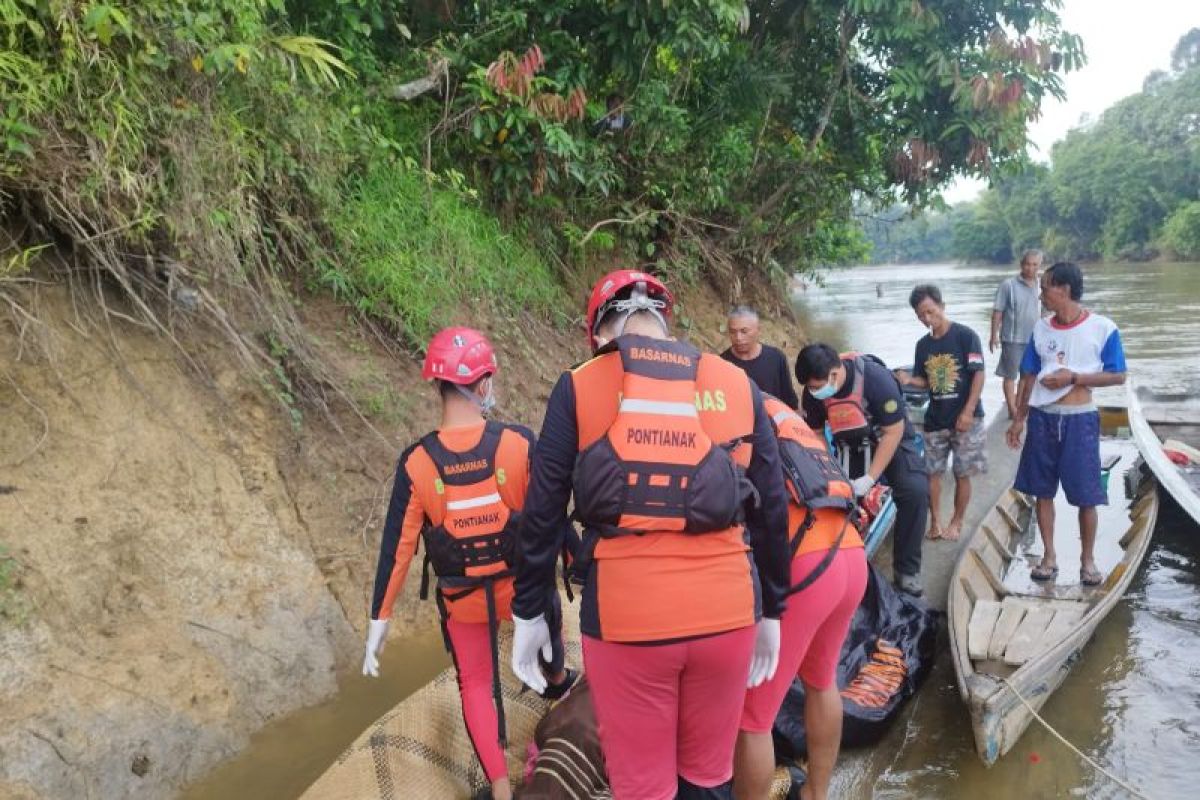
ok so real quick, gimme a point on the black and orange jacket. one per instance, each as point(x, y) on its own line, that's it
point(659, 586)
point(418, 502)
point(828, 517)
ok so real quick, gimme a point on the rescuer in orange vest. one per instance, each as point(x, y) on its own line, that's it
point(462, 488)
point(666, 451)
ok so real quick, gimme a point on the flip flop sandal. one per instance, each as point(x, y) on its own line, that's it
point(1090, 577)
point(1042, 573)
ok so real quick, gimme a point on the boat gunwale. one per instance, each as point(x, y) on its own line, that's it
point(1145, 437)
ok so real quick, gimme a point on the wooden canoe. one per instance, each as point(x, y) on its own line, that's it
point(1182, 483)
point(1007, 634)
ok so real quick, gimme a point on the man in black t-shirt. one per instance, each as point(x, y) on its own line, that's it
point(830, 381)
point(767, 366)
point(949, 363)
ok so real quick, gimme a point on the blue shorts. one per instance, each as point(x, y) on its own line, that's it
point(1066, 448)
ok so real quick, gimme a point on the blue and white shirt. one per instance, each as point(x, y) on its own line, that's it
point(1089, 345)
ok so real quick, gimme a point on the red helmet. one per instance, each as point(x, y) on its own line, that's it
point(606, 293)
point(459, 355)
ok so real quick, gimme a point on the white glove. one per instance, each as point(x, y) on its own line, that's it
point(376, 634)
point(766, 652)
point(529, 637)
point(862, 484)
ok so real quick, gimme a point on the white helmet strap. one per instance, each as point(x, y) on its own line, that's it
point(638, 300)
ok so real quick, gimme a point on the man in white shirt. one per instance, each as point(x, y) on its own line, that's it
point(1069, 354)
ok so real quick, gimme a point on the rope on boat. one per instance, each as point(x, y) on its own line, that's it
point(1127, 787)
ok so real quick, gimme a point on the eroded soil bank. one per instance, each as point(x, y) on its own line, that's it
point(188, 565)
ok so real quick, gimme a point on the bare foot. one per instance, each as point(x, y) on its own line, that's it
point(934, 532)
point(953, 531)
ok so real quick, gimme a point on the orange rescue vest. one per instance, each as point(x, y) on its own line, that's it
point(849, 422)
point(667, 468)
point(656, 469)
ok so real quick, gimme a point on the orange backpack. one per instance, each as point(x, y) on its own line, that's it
point(849, 422)
point(813, 480)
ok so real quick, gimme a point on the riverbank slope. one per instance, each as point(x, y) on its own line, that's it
point(186, 561)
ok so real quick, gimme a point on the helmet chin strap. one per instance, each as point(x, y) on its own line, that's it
point(485, 404)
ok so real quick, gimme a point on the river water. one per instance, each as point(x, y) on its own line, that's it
point(1132, 702)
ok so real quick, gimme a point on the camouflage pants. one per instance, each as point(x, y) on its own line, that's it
point(969, 448)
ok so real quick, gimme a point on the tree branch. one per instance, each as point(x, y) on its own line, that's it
point(438, 73)
point(614, 221)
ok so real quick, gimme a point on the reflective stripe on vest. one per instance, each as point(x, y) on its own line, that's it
point(474, 502)
point(658, 407)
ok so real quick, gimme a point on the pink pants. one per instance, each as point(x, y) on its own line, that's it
point(812, 631)
point(473, 660)
point(668, 710)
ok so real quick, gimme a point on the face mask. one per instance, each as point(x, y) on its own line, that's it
point(824, 393)
point(486, 404)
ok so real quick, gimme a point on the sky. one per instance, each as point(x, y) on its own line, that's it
point(1124, 41)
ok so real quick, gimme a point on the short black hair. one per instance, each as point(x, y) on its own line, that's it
point(815, 361)
point(447, 389)
point(1066, 273)
point(923, 290)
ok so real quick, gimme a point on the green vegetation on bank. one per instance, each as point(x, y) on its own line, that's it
point(414, 252)
point(1125, 186)
point(417, 158)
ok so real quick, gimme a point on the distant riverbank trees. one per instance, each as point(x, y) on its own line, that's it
point(1124, 186)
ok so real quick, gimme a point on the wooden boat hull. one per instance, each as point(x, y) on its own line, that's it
point(1050, 630)
point(1169, 477)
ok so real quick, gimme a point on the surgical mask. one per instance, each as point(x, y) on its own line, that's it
point(824, 393)
point(486, 404)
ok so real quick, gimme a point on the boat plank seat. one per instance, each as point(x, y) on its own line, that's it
point(1065, 620)
point(1011, 614)
point(1028, 635)
point(980, 627)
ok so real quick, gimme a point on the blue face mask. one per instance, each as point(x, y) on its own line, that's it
point(824, 393)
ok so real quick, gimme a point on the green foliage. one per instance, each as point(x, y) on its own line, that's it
point(900, 235)
point(251, 141)
point(752, 122)
point(1181, 232)
point(1119, 187)
point(1187, 51)
point(980, 233)
point(418, 254)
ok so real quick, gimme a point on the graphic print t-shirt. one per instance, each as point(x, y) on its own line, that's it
point(948, 364)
